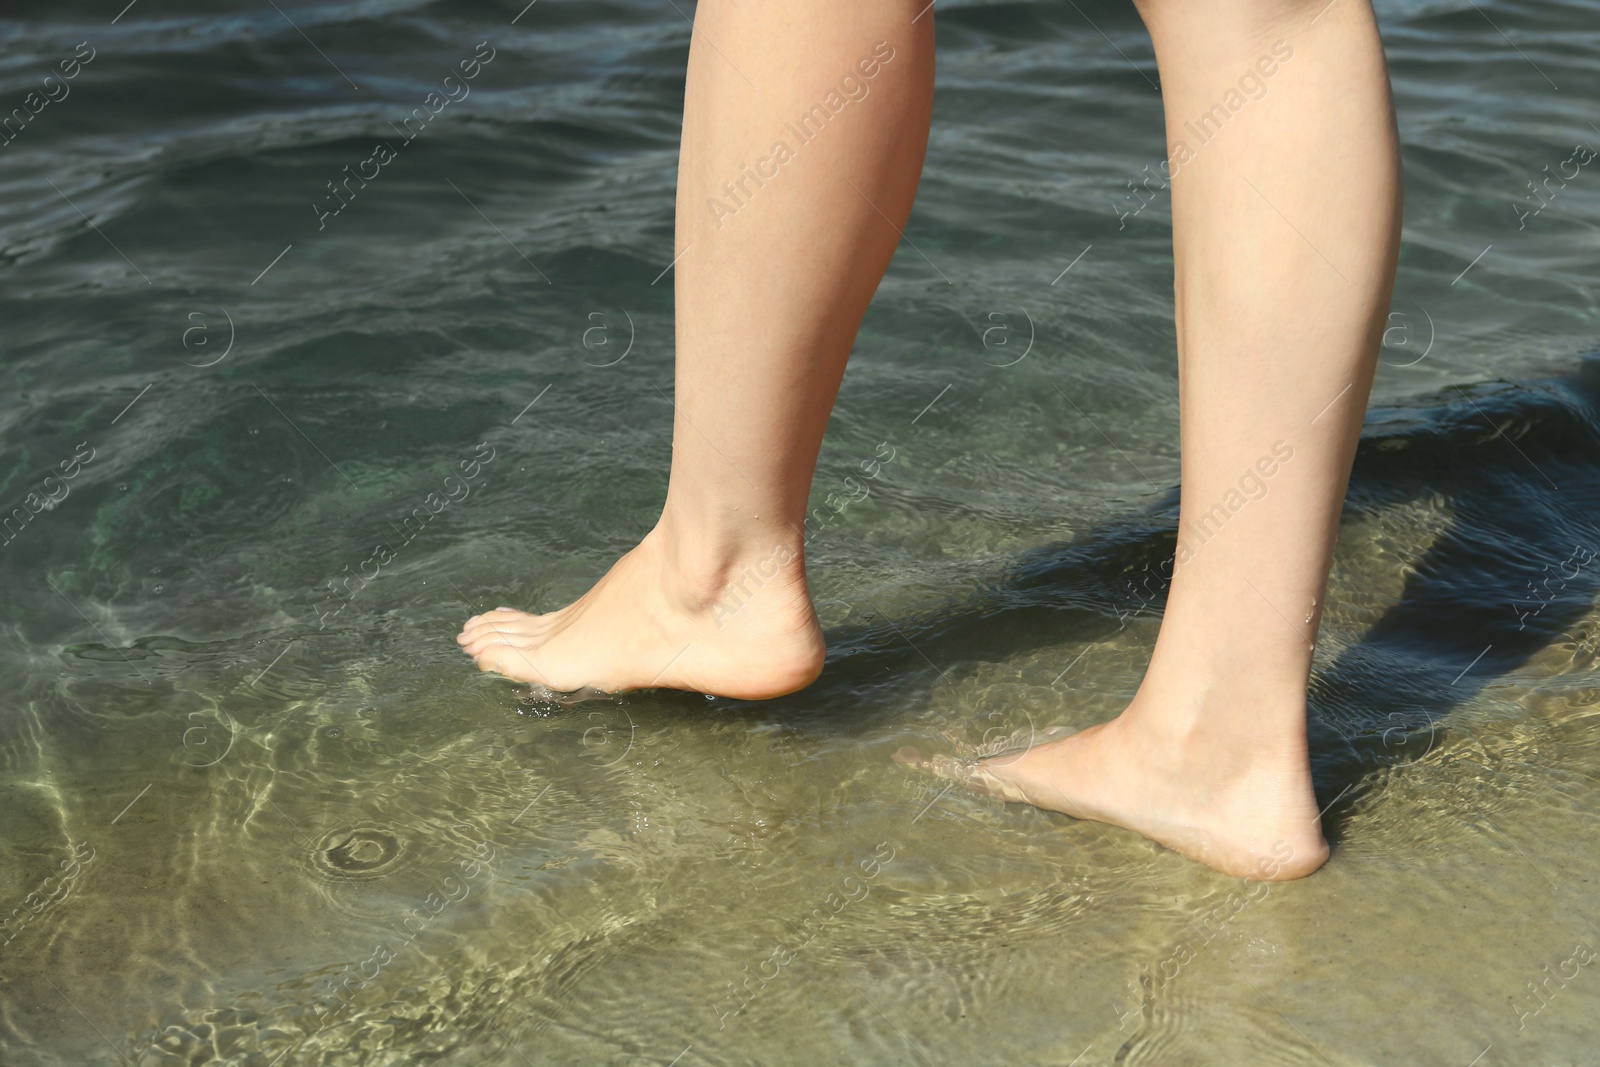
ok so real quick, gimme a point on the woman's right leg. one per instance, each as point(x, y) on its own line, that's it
point(803, 134)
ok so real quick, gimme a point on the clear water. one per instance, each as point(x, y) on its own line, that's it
point(240, 826)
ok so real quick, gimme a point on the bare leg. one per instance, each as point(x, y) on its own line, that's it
point(1285, 230)
point(771, 286)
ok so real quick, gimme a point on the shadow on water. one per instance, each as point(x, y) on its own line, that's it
point(1514, 466)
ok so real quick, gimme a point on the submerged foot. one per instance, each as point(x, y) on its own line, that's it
point(746, 631)
point(1246, 810)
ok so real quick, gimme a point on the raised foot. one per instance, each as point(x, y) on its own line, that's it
point(1246, 814)
point(644, 625)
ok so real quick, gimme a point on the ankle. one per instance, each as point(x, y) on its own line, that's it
point(707, 573)
point(1231, 726)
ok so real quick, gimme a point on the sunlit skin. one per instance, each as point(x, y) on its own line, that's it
point(1285, 229)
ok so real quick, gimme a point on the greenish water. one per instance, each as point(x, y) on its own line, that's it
point(245, 822)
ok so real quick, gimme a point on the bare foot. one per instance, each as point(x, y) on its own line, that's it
point(745, 631)
point(1233, 804)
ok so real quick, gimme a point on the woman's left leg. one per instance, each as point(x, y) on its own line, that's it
point(1286, 222)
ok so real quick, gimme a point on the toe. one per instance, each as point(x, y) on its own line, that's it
point(493, 638)
point(499, 619)
point(508, 661)
point(488, 657)
point(910, 756)
point(973, 776)
point(478, 624)
point(506, 614)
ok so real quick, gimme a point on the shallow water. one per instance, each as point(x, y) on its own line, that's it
point(241, 824)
